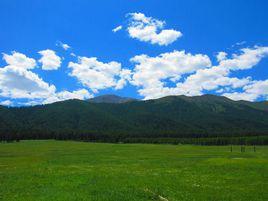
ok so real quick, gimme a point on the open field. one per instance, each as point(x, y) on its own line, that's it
point(65, 170)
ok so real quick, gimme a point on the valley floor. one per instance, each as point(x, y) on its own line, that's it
point(69, 171)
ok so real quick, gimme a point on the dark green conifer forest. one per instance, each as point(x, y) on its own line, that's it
point(207, 120)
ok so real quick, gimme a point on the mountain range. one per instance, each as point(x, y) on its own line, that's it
point(113, 117)
point(110, 98)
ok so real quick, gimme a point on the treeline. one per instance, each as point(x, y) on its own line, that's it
point(175, 120)
point(219, 141)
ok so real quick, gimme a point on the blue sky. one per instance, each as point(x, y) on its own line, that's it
point(179, 41)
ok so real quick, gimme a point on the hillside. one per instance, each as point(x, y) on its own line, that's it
point(110, 99)
point(168, 117)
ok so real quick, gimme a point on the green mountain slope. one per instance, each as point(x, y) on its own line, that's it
point(173, 116)
point(110, 99)
point(257, 105)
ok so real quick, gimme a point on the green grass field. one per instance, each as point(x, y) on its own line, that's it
point(65, 170)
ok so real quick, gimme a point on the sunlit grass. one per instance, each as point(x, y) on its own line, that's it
point(65, 170)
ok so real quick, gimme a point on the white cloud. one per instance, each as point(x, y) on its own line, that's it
point(219, 76)
point(240, 96)
point(19, 60)
point(248, 58)
point(16, 81)
point(81, 94)
point(251, 92)
point(6, 103)
point(209, 79)
point(171, 73)
point(257, 87)
point(221, 56)
point(125, 75)
point(49, 60)
point(30, 103)
point(65, 46)
point(239, 43)
point(148, 29)
point(73, 54)
point(20, 83)
point(116, 29)
point(151, 73)
point(97, 75)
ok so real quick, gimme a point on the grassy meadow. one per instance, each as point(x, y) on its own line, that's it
point(77, 171)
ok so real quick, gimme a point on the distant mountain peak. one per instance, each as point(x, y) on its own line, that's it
point(110, 98)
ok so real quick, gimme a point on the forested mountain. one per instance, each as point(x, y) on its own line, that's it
point(110, 99)
point(168, 117)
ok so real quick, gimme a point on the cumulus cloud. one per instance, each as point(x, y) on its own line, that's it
point(116, 29)
point(240, 96)
point(30, 102)
point(16, 81)
point(97, 75)
point(151, 74)
point(221, 56)
point(80, 94)
point(148, 29)
point(248, 58)
point(65, 46)
point(124, 77)
point(219, 76)
point(251, 92)
point(209, 79)
point(20, 83)
point(6, 103)
point(19, 60)
point(49, 60)
point(170, 73)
